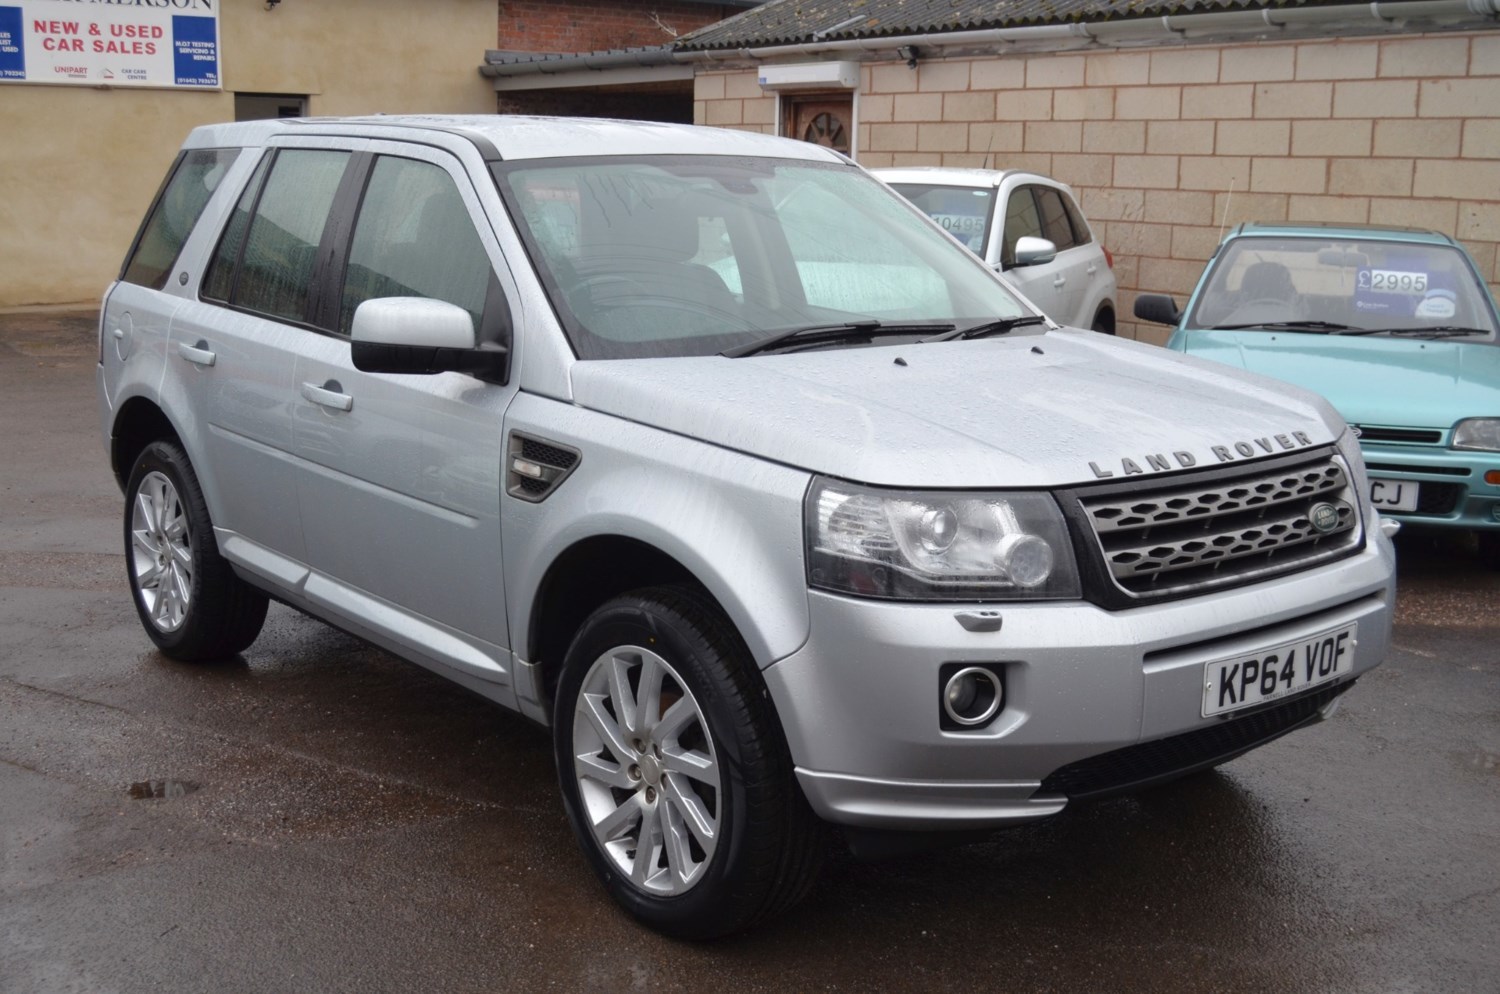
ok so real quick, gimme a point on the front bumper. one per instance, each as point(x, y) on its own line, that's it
point(1452, 492)
point(860, 700)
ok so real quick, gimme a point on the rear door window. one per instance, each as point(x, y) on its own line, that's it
point(1081, 233)
point(193, 180)
point(278, 249)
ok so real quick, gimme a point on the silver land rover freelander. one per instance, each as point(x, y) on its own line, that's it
point(707, 451)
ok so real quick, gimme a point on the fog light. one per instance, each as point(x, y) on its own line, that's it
point(972, 696)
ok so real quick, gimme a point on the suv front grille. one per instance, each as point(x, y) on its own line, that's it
point(1146, 763)
point(1188, 533)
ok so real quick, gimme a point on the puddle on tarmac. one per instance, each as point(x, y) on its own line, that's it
point(162, 789)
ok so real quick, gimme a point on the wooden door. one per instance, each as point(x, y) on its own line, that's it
point(822, 119)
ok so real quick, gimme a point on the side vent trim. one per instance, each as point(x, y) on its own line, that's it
point(535, 467)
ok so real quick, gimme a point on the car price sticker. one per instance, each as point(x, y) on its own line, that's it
point(1245, 681)
point(1393, 495)
point(960, 224)
point(1392, 281)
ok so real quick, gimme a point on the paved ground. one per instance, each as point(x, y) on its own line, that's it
point(321, 817)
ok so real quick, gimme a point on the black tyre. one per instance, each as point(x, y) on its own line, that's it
point(674, 771)
point(1104, 322)
point(1489, 548)
point(190, 601)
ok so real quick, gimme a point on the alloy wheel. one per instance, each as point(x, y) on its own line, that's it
point(161, 552)
point(647, 771)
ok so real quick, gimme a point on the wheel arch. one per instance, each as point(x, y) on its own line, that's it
point(584, 576)
point(1105, 314)
point(139, 422)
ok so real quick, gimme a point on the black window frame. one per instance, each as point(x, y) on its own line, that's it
point(321, 310)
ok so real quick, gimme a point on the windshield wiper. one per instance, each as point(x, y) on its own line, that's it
point(1327, 326)
point(831, 334)
point(983, 328)
point(1432, 331)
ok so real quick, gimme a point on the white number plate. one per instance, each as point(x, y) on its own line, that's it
point(1393, 495)
point(1245, 681)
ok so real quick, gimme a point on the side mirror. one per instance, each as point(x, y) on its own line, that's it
point(1033, 251)
point(1157, 308)
point(419, 335)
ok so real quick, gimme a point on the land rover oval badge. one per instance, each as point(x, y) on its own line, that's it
point(1324, 517)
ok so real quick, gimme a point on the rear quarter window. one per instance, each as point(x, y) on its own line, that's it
point(192, 181)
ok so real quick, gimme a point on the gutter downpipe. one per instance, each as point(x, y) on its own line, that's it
point(1119, 33)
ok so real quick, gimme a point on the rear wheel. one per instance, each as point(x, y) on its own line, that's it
point(1104, 321)
point(674, 773)
point(190, 601)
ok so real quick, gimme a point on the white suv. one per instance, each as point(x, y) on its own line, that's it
point(706, 451)
point(1042, 243)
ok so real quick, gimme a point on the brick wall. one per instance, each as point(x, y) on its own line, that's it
point(591, 25)
point(1166, 146)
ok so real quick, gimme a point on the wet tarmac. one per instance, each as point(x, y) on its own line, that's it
point(319, 816)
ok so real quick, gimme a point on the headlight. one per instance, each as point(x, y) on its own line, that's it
point(1477, 433)
point(937, 545)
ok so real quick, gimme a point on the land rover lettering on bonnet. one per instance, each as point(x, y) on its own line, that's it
point(731, 470)
point(1157, 462)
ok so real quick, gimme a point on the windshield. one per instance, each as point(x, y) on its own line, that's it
point(1344, 286)
point(964, 212)
point(694, 255)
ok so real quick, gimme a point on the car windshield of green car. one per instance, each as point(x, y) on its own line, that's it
point(1345, 287)
point(652, 256)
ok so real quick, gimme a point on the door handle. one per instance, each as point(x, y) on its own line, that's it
point(329, 395)
point(119, 334)
point(1059, 281)
point(198, 354)
point(1092, 269)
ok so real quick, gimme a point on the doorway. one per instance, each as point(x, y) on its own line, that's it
point(262, 106)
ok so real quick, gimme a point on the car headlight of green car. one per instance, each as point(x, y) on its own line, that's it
point(1477, 433)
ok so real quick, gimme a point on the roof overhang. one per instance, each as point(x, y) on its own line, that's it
point(1382, 17)
point(572, 79)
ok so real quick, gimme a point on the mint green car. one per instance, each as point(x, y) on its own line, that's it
point(1394, 326)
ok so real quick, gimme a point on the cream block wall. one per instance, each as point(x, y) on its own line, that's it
point(79, 165)
point(1167, 147)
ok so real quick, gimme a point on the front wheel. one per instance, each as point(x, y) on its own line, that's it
point(189, 599)
point(674, 772)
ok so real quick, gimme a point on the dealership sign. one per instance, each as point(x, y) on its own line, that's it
point(164, 43)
